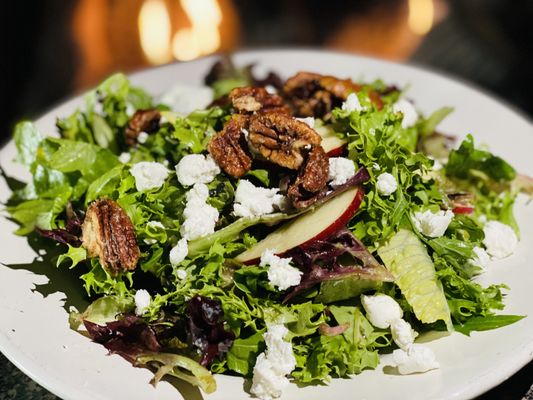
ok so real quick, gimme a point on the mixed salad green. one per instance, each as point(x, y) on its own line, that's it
point(209, 311)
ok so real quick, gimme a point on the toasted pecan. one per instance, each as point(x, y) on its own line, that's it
point(281, 139)
point(315, 95)
point(229, 148)
point(142, 121)
point(252, 99)
point(310, 183)
point(108, 233)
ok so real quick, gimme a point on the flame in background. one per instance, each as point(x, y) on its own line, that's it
point(421, 15)
point(160, 44)
point(203, 37)
point(154, 31)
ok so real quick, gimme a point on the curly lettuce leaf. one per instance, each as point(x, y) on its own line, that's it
point(468, 162)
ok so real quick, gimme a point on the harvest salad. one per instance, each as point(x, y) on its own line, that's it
point(276, 230)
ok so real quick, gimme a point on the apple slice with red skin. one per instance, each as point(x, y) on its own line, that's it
point(316, 224)
point(463, 209)
point(333, 145)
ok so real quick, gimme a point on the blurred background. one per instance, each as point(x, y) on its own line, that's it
point(56, 48)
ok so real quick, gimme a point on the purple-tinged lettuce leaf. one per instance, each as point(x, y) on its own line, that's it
point(206, 328)
point(341, 264)
point(128, 337)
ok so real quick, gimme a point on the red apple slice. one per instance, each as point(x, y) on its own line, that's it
point(333, 145)
point(463, 209)
point(313, 225)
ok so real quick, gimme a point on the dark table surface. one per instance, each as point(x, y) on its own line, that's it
point(17, 386)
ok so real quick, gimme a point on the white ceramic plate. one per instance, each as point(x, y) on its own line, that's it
point(34, 331)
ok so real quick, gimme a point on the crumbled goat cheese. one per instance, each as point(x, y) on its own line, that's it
point(386, 184)
point(309, 121)
point(185, 99)
point(142, 138)
point(500, 239)
point(340, 170)
point(410, 116)
point(150, 241)
point(266, 383)
point(181, 274)
point(432, 224)
point(149, 175)
point(142, 301)
point(196, 168)
point(417, 358)
point(178, 252)
point(352, 103)
point(200, 217)
point(376, 167)
point(273, 365)
point(124, 158)
point(481, 258)
point(280, 272)
point(251, 201)
point(402, 333)
point(245, 133)
point(381, 310)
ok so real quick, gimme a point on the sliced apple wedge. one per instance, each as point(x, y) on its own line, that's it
point(313, 225)
point(333, 146)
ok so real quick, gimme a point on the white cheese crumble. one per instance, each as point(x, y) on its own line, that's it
point(386, 184)
point(402, 333)
point(142, 138)
point(178, 252)
point(149, 175)
point(381, 310)
point(124, 157)
point(196, 168)
point(142, 301)
point(406, 108)
point(185, 99)
point(500, 239)
point(352, 103)
point(417, 358)
point(272, 366)
point(309, 121)
point(200, 217)
point(181, 274)
point(340, 170)
point(432, 224)
point(252, 201)
point(481, 258)
point(280, 272)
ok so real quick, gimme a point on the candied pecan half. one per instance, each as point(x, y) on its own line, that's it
point(108, 233)
point(340, 88)
point(281, 139)
point(251, 99)
point(142, 121)
point(311, 181)
point(229, 148)
point(315, 95)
